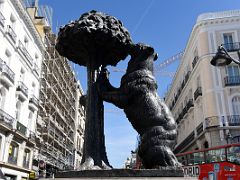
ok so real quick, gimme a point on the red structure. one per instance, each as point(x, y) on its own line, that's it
point(218, 163)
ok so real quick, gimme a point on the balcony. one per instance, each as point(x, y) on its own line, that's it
point(185, 143)
point(231, 47)
point(21, 128)
point(31, 136)
point(25, 53)
point(199, 129)
point(187, 76)
point(195, 60)
point(11, 33)
point(189, 104)
point(12, 160)
point(233, 120)
point(26, 164)
point(7, 75)
point(184, 111)
point(33, 103)
point(232, 80)
point(212, 122)
point(6, 119)
point(22, 91)
point(198, 93)
point(2, 20)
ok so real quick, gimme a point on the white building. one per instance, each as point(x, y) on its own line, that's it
point(20, 61)
point(79, 130)
point(205, 100)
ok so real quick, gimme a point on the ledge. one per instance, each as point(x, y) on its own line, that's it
point(164, 172)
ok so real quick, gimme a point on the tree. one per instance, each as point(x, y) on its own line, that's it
point(95, 40)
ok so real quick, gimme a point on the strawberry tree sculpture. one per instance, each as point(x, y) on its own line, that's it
point(95, 40)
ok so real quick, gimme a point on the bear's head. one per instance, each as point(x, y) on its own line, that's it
point(142, 57)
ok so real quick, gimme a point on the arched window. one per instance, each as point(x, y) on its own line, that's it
point(13, 153)
point(205, 145)
point(30, 121)
point(236, 105)
point(33, 88)
point(18, 109)
point(26, 158)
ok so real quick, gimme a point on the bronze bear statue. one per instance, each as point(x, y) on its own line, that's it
point(148, 114)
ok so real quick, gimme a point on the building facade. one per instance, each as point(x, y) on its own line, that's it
point(20, 64)
point(205, 100)
point(61, 117)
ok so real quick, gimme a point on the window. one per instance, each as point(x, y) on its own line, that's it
point(233, 154)
point(198, 82)
point(18, 110)
point(2, 97)
point(26, 158)
point(26, 42)
point(190, 94)
point(10, 177)
point(228, 41)
point(182, 159)
point(196, 158)
point(30, 120)
point(233, 71)
point(22, 75)
point(217, 155)
point(236, 105)
point(33, 88)
point(13, 153)
point(13, 22)
point(1, 6)
point(8, 56)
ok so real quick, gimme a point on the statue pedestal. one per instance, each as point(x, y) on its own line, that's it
point(143, 174)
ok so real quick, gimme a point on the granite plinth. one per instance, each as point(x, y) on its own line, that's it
point(120, 173)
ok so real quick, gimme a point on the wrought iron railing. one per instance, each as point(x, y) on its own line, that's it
point(34, 100)
point(189, 104)
point(26, 164)
point(6, 119)
point(23, 88)
point(21, 128)
point(232, 80)
point(195, 60)
point(2, 19)
point(12, 160)
point(198, 93)
point(25, 52)
point(188, 140)
point(11, 33)
point(199, 128)
point(233, 120)
point(230, 47)
point(5, 69)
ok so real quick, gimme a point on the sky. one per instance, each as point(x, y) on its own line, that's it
point(164, 24)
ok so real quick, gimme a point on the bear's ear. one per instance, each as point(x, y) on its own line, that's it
point(155, 56)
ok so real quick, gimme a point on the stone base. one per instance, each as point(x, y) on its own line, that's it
point(164, 173)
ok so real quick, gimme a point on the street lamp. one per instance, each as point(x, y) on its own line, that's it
point(222, 58)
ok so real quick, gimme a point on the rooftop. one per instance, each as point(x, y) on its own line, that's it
point(218, 15)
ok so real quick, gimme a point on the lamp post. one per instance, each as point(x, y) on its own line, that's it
point(222, 58)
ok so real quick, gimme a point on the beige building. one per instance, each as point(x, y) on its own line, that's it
point(205, 100)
